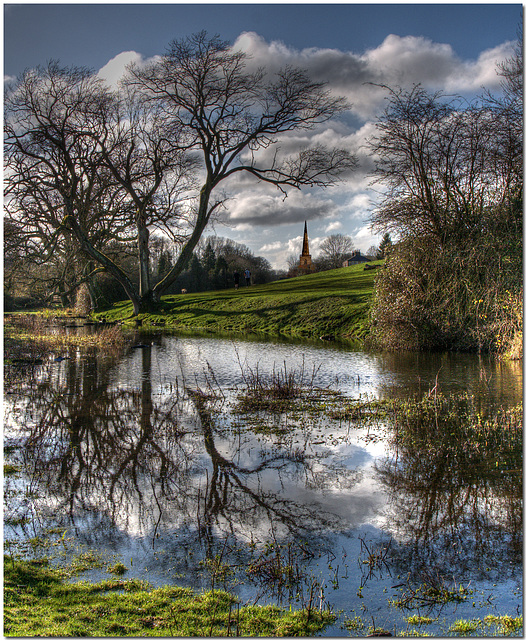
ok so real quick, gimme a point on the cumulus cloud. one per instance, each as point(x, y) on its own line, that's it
point(365, 238)
point(273, 246)
point(114, 70)
point(333, 227)
point(396, 61)
point(482, 72)
point(257, 213)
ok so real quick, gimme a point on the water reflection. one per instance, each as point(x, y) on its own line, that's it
point(494, 382)
point(138, 453)
point(453, 514)
point(151, 462)
point(355, 373)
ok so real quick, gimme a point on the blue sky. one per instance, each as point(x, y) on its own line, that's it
point(452, 47)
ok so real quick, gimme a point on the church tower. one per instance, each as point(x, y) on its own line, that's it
point(305, 265)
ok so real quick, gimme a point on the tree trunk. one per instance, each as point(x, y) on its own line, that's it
point(64, 298)
point(104, 261)
point(143, 238)
point(184, 257)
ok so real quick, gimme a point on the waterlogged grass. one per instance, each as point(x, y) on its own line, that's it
point(27, 336)
point(451, 431)
point(454, 428)
point(420, 620)
point(37, 601)
point(331, 304)
point(417, 627)
point(489, 626)
point(430, 593)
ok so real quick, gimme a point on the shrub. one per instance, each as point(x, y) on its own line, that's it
point(466, 296)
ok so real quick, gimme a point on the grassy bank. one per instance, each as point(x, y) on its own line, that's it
point(332, 303)
point(38, 601)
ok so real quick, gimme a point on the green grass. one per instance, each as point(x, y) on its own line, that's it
point(331, 304)
point(37, 601)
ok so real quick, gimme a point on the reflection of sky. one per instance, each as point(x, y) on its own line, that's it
point(333, 477)
point(196, 360)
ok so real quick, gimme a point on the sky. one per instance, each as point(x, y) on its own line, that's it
point(453, 48)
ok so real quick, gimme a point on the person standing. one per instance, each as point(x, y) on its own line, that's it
point(236, 279)
point(247, 277)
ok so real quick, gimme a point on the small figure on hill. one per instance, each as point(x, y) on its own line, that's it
point(236, 279)
point(247, 277)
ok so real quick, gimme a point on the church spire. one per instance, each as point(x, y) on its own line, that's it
point(305, 264)
point(305, 251)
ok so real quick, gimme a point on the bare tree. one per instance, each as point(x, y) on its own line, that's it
point(333, 251)
point(86, 165)
point(56, 187)
point(292, 261)
point(507, 117)
point(97, 166)
point(148, 162)
point(453, 177)
point(435, 156)
point(226, 115)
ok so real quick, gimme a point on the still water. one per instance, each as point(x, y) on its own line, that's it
point(119, 464)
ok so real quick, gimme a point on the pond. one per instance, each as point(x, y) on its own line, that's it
point(141, 457)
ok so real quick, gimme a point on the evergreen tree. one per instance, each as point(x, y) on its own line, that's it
point(385, 246)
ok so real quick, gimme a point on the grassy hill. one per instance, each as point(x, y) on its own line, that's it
point(331, 303)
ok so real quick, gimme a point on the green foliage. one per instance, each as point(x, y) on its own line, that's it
point(503, 625)
point(118, 569)
point(465, 627)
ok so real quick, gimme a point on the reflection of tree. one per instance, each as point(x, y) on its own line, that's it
point(238, 489)
point(131, 460)
point(418, 371)
point(91, 443)
point(455, 485)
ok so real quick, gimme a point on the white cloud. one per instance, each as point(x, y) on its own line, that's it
point(113, 70)
point(273, 246)
point(396, 61)
point(257, 214)
point(481, 73)
point(365, 238)
point(333, 227)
